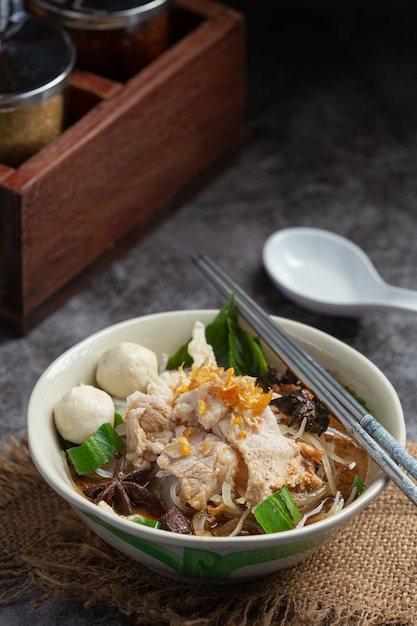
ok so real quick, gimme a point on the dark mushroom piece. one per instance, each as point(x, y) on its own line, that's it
point(175, 521)
point(300, 405)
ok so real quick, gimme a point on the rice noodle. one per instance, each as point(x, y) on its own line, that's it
point(288, 431)
point(320, 442)
point(232, 508)
point(198, 523)
point(352, 496)
point(329, 474)
point(309, 499)
point(329, 456)
point(104, 473)
point(239, 525)
point(107, 470)
point(301, 430)
point(305, 517)
point(338, 459)
point(174, 490)
point(168, 489)
point(337, 434)
point(337, 504)
point(332, 433)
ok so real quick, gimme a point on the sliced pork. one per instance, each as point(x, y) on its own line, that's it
point(199, 406)
point(271, 459)
point(149, 423)
point(201, 461)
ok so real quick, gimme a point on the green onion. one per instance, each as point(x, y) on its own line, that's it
point(118, 419)
point(146, 521)
point(362, 402)
point(359, 484)
point(97, 450)
point(278, 512)
point(245, 352)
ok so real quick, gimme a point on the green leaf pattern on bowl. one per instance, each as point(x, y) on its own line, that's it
point(199, 563)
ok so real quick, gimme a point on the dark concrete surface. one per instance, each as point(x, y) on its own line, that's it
point(331, 142)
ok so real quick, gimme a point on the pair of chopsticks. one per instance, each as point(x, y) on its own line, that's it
point(377, 442)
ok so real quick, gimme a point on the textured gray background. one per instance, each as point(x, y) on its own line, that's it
point(331, 142)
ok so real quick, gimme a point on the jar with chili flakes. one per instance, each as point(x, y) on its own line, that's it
point(36, 59)
point(114, 39)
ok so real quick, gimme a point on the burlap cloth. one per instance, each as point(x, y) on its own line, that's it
point(368, 575)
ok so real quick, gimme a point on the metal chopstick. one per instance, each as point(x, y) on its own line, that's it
point(378, 443)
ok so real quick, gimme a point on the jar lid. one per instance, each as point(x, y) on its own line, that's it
point(35, 62)
point(96, 14)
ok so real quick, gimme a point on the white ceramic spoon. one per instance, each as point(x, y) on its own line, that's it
point(327, 273)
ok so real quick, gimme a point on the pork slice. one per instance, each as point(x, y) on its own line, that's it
point(165, 384)
point(149, 426)
point(201, 462)
point(272, 460)
point(199, 406)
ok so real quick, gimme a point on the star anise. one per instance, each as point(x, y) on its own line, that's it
point(121, 492)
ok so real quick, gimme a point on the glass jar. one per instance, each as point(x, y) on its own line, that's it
point(36, 59)
point(116, 41)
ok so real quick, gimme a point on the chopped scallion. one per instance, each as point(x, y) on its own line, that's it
point(278, 512)
point(358, 484)
point(118, 419)
point(145, 521)
point(97, 450)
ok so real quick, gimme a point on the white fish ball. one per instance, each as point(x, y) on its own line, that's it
point(81, 411)
point(126, 368)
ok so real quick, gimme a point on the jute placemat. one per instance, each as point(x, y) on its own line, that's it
point(366, 576)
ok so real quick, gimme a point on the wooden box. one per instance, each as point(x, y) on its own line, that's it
point(124, 162)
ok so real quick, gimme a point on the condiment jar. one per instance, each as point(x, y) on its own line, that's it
point(36, 59)
point(114, 39)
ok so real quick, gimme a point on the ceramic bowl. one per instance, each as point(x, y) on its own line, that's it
point(201, 559)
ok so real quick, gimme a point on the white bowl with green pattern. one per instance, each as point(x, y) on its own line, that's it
point(218, 560)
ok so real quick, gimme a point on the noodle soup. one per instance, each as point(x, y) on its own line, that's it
point(204, 559)
point(210, 449)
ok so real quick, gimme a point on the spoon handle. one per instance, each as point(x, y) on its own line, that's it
point(399, 298)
